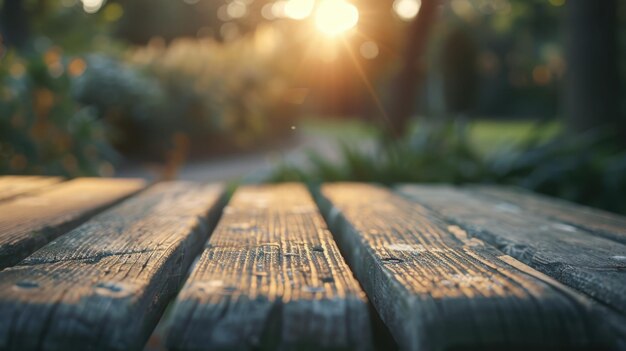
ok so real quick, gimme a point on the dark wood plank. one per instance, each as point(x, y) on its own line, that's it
point(595, 221)
point(438, 289)
point(271, 277)
point(30, 221)
point(591, 264)
point(11, 186)
point(104, 285)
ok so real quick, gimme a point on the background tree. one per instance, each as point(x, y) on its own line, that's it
point(592, 84)
point(14, 23)
point(411, 74)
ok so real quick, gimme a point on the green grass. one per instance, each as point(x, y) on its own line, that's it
point(486, 135)
point(341, 128)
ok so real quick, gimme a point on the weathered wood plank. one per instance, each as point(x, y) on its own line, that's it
point(11, 186)
point(437, 289)
point(104, 285)
point(591, 264)
point(271, 277)
point(29, 222)
point(595, 221)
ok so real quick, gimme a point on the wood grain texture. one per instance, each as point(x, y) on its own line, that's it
point(598, 222)
point(591, 264)
point(11, 186)
point(104, 285)
point(29, 222)
point(438, 289)
point(271, 277)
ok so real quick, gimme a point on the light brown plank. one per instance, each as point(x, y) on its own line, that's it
point(590, 264)
point(11, 186)
point(104, 285)
point(438, 289)
point(595, 221)
point(29, 222)
point(271, 277)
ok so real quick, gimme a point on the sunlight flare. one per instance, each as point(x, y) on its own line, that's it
point(334, 17)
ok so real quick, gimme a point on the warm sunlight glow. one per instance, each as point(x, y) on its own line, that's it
point(299, 9)
point(406, 9)
point(334, 17)
point(92, 6)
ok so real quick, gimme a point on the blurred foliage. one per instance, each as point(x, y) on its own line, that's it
point(129, 101)
point(588, 168)
point(211, 93)
point(42, 129)
point(64, 23)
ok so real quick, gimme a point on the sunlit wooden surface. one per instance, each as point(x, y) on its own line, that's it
point(271, 254)
point(11, 186)
point(339, 266)
point(30, 221)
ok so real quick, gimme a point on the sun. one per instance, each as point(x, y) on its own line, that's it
point(334, 17)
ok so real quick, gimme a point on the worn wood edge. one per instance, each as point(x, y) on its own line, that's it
point(403, 322)
point(273, 315)
point(496, 193)
point(611, 322)
point(43, 183)
point(118, 329)
point(11, 255)
point(190, 253)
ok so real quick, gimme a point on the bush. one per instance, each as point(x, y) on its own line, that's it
point(219, 96)
point(42, 130)
point(131, 103)
point(588, 168)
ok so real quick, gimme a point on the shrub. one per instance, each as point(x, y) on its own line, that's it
point(131, 103)
point(219, 96)
point(232, 93)
point(42, 129)
point(588, 168)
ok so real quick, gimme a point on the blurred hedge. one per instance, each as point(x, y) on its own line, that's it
point(42, 129)
point(66, 115)
point(219, 96)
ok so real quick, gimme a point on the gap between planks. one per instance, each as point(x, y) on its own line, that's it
point(270, 277)
point(438, 289)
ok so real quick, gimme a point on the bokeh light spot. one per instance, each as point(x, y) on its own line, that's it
point(369, 50)
point(299, 9)
point(557, 3)
point(113, 12)
point(76, 67)
point(92, 6)
point(406, 9)
point(542, 75)
point(236, 9)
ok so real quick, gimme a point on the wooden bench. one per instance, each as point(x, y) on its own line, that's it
point(93, 264)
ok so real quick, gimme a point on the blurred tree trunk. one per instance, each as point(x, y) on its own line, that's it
point(592, 81)
point(14, 24)
point(411, 74)
point(459, 70)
